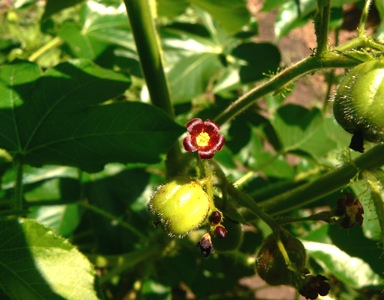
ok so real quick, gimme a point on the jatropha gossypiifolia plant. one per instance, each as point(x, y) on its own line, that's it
point(285, 198)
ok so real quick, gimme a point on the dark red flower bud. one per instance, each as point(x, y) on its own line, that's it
point(215, 217)
point(220, 231)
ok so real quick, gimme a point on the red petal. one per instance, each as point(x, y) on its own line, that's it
point(216, 142)
point(189, 144)
point(211, 127)
point(208, 154)
point(195, 126)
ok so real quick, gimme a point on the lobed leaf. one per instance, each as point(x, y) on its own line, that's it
point(61, 118)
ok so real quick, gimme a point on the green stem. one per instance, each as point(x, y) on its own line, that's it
point(113, 218)
point(18, 205)
point(149, 51)
point(364, 17)
point(308, 65)
point(321, 26)
point(50, 45)
point(248, 202)
point(325, 184)
point(243, 199)
point(209, 183)
point(331, 77)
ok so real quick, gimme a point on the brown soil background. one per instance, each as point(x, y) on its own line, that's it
point(309, 91)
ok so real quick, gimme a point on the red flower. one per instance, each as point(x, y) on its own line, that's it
point(204, 137)
point(350, 211)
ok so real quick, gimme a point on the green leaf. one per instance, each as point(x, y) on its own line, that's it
point(302, 129)
point(62, 121)
point(171, 8)
point(291, 16)
point(81, 44)
point(232, 15)
point(54, 6)
point(64, 219)
point(100, 26)
point(255, 64)
point(371, 224)
point(37, 264)
point(190, 76)
point(351, 270)
point(273, 4)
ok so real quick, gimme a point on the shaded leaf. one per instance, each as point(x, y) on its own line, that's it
point(171, 8)
point(62, 122)
point(190, 76)
point(232, 15)
point(64, 219)
point(291, 16)
point(81, 44)
point(54, 6)
point(255, 64)
point(302, 129)
point(37, 264)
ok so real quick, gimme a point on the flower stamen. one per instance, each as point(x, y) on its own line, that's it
point(202, 140)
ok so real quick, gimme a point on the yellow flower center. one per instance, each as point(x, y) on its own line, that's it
point(202, 139)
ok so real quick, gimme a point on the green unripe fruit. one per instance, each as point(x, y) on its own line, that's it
point(359, 103)
point(180, 206)
point(232, 239)
point(270, 263)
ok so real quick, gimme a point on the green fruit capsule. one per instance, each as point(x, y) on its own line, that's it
point(270, 263)
point(359, 103)
point(180, 206)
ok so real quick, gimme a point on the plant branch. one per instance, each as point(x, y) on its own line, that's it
point(326, 184)
point(322, 25)
point(149, 51)
point(308, 65)
point(364, 17)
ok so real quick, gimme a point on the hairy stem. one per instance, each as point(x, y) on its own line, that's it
point(308, 65)
point(321, 26)
point(364, 16)
point(326, 184)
